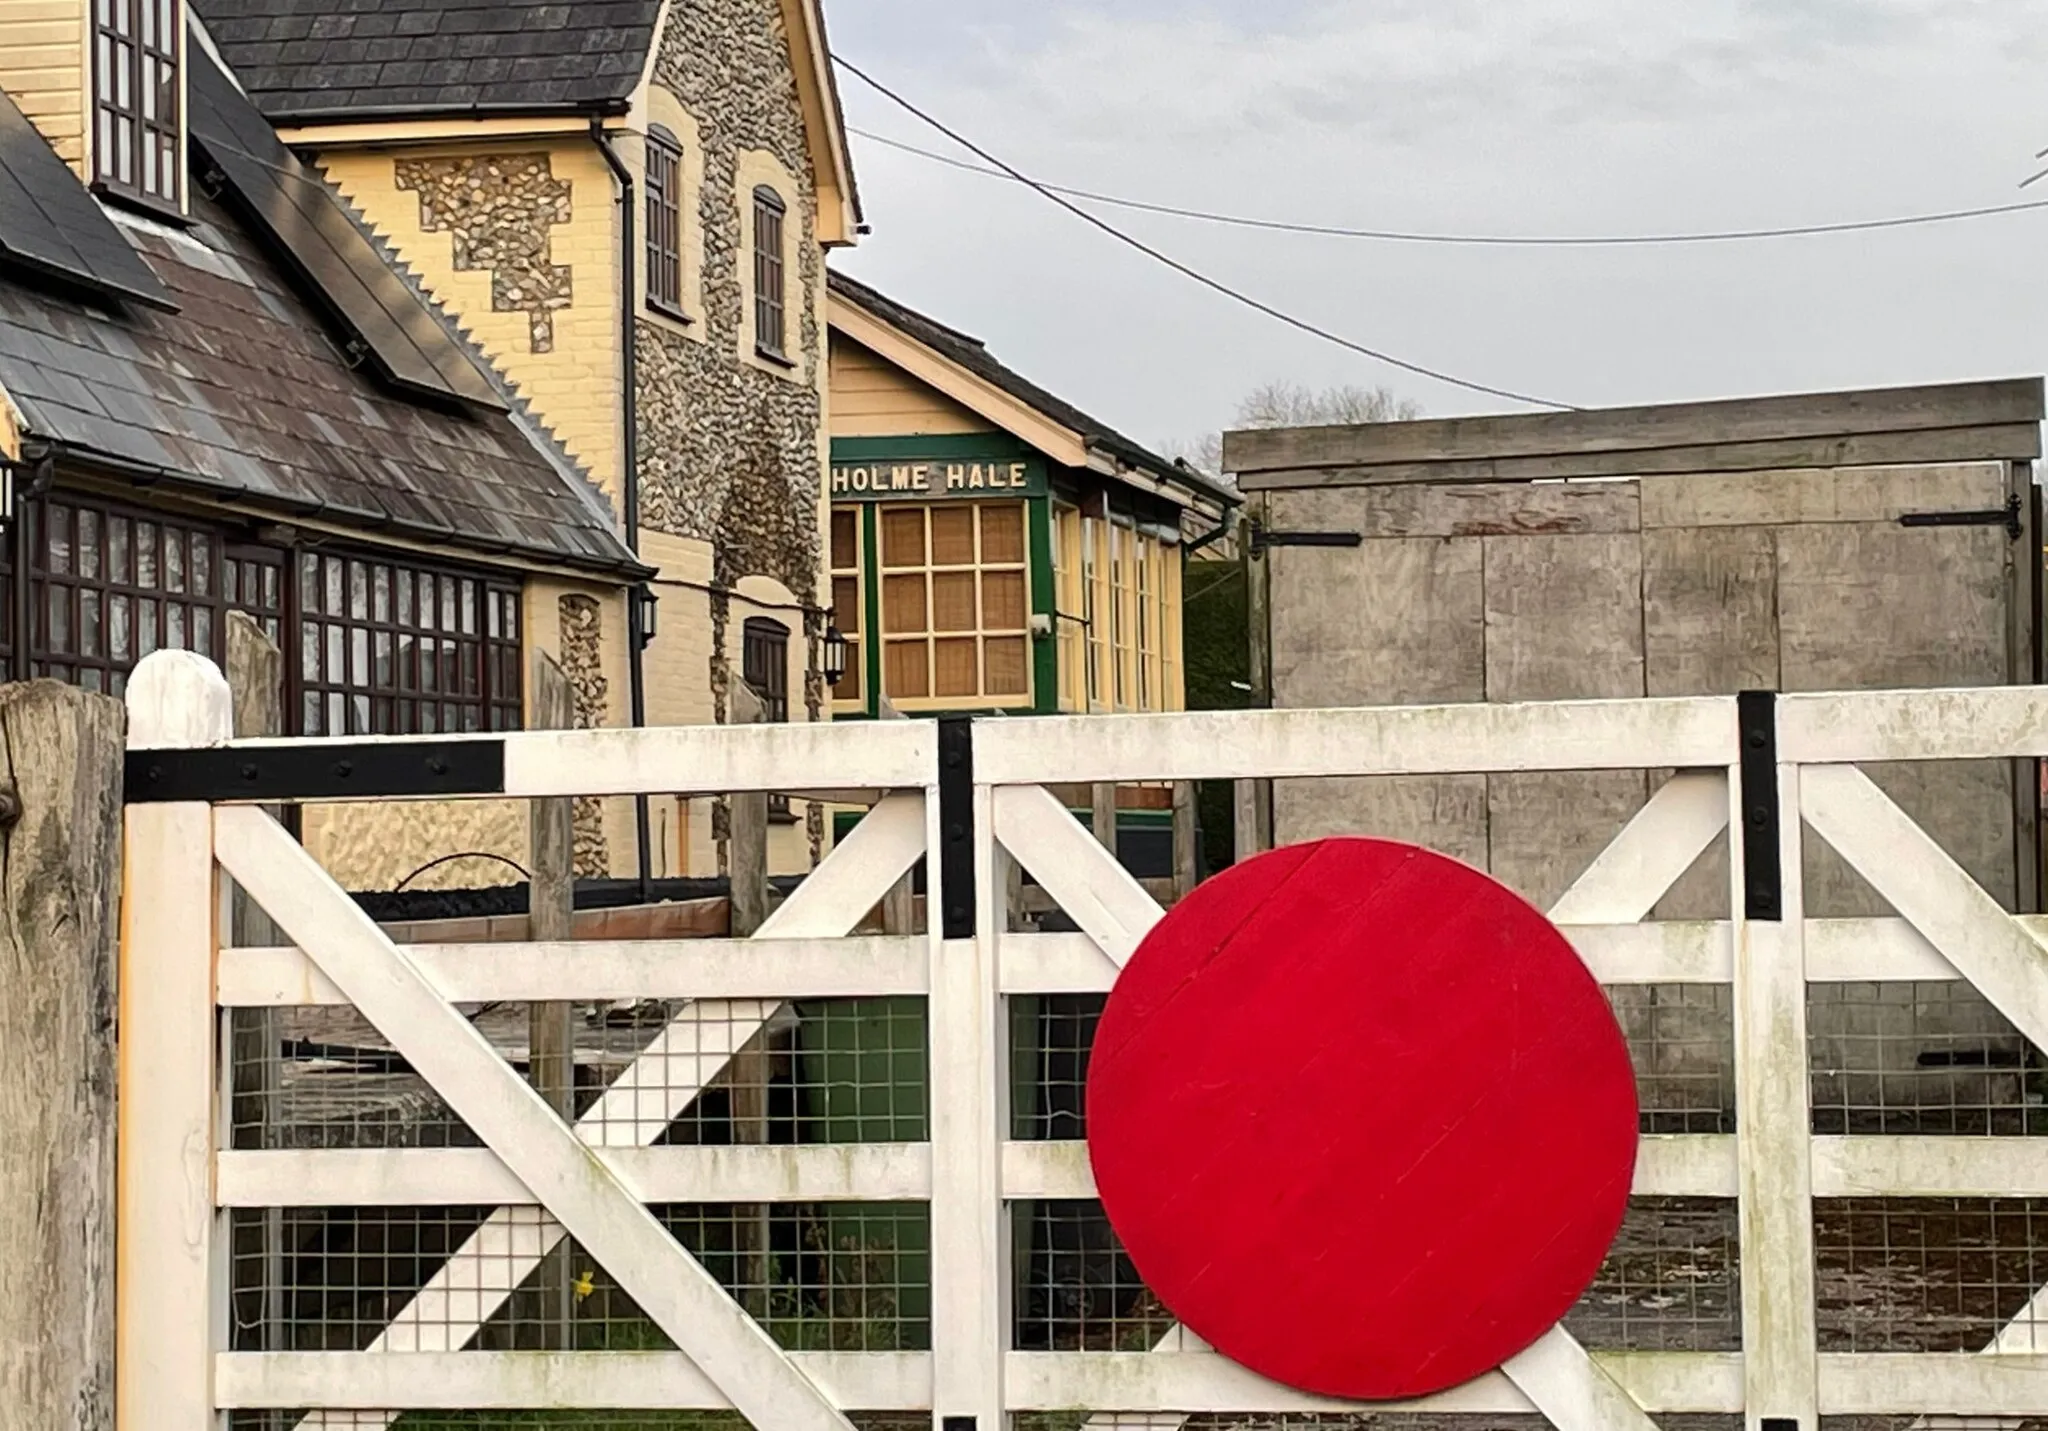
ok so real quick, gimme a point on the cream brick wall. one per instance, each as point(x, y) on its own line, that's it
point(42, 68)
point(575, 387)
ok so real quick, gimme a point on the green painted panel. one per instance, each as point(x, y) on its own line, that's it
point(943, 447)
point(1045, 650)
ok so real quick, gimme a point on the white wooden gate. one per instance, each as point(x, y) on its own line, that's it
point(975, 795)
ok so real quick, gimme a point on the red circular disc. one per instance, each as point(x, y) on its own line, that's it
point(1362, 1119)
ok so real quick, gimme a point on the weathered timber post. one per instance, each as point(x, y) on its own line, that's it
point(256, 683)
point(1252, 800)
point(748, 1074)
point(1187, 854)
point(1102, 814)
point(551, 914)
point(60, 886)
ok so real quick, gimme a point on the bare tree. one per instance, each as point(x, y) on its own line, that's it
point(1292, 405)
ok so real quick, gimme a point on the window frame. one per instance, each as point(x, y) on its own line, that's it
point(150, 48)
point(1070, 602)
point(767, 639)
point(771, 276)
point(471, 613)
point(852, 691)
point(663, 243)
point(981, 634)
point(234, 574)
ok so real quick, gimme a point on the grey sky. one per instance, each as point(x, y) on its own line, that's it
point(1527, 116)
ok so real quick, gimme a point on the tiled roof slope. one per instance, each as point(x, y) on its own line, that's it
point(311, 59)
point(242, 394)
point(973, 355)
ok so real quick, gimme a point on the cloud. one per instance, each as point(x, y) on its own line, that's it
point(1540, 116)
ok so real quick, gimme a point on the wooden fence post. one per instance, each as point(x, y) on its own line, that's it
point(748, 1074)
point(1253, 799)
point(60, 884)
point(1187, 852)
point(1102, 814)
point(256, 684)
point(173, 1309)
point(551, 917)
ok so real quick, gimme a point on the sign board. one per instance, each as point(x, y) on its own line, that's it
point(1362, 1119)
point(925, 480)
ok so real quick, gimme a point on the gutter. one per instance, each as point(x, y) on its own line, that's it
point(629, 482)
point(359, 524)
point(1215, 534)
point(476, 109)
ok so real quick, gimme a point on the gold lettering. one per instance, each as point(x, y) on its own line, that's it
point(956, 476)
point(977, 479)
point(840, 480)
point(1017, 478)
point(923, 474)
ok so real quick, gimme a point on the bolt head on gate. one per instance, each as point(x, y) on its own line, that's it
point(1362, 1119)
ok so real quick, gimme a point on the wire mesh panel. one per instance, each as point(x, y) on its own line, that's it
point(1671, 1282)
point(817, 1276)
point(1681, 1042)
point(1075, 1288)
point(823, 1071)
point(1921, 1058)
point(1931, 1274)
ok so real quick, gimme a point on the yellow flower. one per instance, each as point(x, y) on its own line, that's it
point(584, 1285)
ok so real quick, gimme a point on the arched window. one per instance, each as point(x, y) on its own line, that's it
point(769, 320)
point(764, 664)
point(664, 222)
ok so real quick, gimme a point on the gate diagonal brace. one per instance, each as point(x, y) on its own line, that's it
point(647, 1097)
point(517, 1124)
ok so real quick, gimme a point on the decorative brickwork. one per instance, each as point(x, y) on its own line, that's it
point(499, 209)
point(730, 452)
point(583, 664)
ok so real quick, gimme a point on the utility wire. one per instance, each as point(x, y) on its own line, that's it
point(1490, 240)
point(1186, 271)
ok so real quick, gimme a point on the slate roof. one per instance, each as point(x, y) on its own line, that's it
point(972, 354)
point(304, 60)
point(244, 393)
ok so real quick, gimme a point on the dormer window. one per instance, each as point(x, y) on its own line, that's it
point(769, 321)
point(136, 99)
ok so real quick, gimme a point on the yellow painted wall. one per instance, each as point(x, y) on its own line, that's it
point(575, 386)
point(872, 397)
point(10, 427)
point(42, 68)
point(374, 846)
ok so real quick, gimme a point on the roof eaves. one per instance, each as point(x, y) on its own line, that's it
point(284, 113)
point(970, 352)
point(623, 565)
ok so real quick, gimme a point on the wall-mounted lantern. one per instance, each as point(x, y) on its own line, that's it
point(834, 656)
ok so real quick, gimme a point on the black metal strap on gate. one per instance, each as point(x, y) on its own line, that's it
point(956, 827)
point(1763, 888)
point(302, 770)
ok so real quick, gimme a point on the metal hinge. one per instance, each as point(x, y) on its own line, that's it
point(1261, 538)
point(2007, 516)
